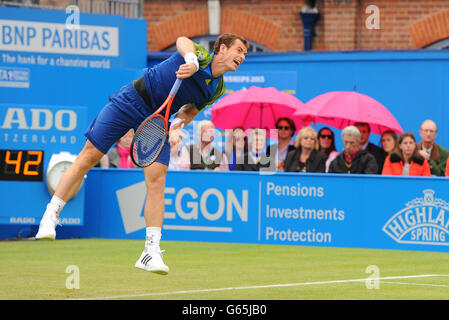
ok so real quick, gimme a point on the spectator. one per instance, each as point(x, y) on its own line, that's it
point(256, 159)
point(389, 143)
point(178, 154)
point(407, 161)
point(353, 159)
point(103, 163)
point(365, 131)
point(326, 140)
point(286, 129)
point(236, 145)
point(119, 155)
point(436, 155)
point(306, 157)
point(203, 155)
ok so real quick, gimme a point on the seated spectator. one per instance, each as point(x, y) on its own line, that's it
point(236, 145)
point(306, 157)
point(103, 163)
point(407, 161)
point(326, 140)
point(203, 155)
point(389, 142)
point(119, 155)
point(177, 154)
point(353, 159)
point(365, 131)
point(435, 154)
point(255, 159)
point(286, 129)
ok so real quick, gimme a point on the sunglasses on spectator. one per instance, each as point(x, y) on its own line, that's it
point(283, 127)
point(326, 136)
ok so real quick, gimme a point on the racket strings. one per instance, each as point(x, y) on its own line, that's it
point(149, 142)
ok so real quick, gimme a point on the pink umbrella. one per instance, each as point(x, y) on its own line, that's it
point(255, 108)
point(340, 109)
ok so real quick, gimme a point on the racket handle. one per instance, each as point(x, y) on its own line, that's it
point(175, 87)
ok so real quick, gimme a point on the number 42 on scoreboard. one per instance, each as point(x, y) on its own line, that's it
point(21, 165)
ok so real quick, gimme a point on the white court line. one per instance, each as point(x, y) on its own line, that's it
point(197, 228)
point(260, 287)
point(417, 284)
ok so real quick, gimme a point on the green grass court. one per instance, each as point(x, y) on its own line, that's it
point(217, 271)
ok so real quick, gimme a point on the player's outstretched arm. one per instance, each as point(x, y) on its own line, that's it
point(184, 45)
point(186, 48)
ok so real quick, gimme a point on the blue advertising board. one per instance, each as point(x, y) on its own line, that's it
point(70, 39)
point(356, 211)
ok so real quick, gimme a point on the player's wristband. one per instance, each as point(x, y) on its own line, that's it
point(175, 121)
point(192, 58)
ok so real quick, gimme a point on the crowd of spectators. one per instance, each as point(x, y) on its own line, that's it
point(247, 150)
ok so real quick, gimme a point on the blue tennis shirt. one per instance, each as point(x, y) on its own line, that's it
point(201, 89)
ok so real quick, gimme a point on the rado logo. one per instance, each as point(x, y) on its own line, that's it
point(39, 119)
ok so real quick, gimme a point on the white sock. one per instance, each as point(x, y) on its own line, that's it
point(153, 237)
point(54, 207)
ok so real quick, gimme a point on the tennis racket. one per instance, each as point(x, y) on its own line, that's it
point(151, 135)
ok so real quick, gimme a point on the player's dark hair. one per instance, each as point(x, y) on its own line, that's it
point(228, 40)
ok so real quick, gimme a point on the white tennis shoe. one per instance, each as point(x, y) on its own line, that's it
point(47, 227)
point(151, 260)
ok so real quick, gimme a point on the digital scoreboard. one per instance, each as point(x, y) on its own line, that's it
point(21, 165)
point(26, 178)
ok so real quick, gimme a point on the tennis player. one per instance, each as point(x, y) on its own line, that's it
point(203, 84)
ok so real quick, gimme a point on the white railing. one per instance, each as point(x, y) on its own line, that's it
point(28, 4)
point(126, 8)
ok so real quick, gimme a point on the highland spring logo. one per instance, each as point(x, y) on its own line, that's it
point(423, 221)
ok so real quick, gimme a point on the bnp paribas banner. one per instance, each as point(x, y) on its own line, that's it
point(306, 209)
point(66, 38)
